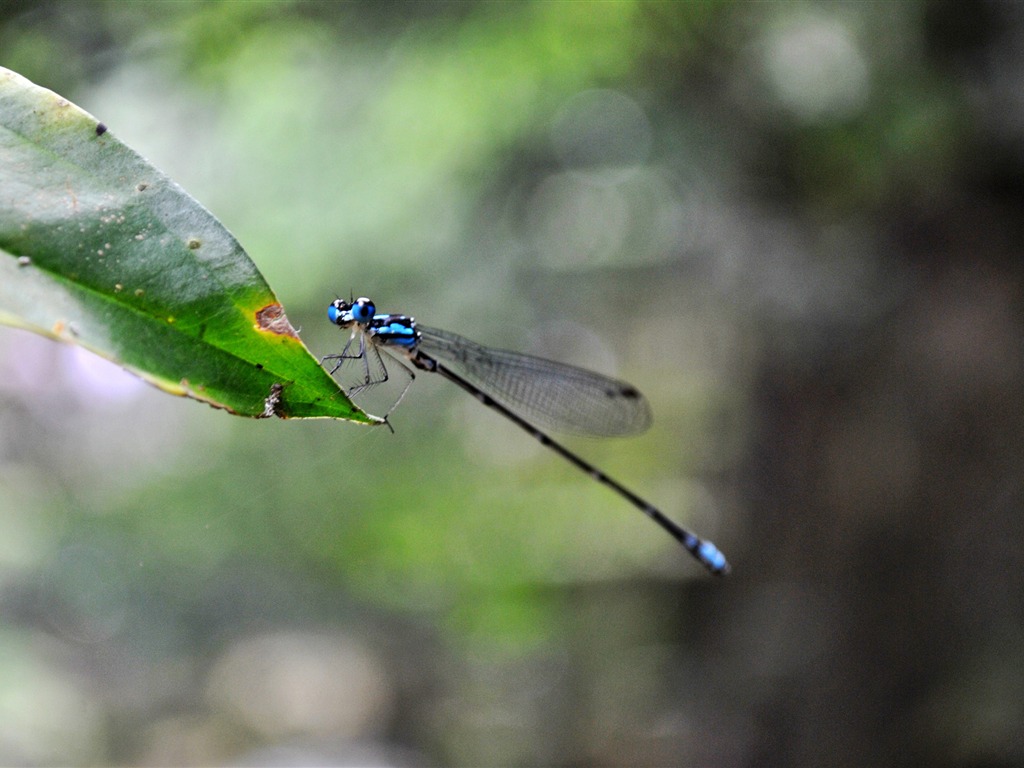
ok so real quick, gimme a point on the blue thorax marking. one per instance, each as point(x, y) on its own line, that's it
point(399, 330)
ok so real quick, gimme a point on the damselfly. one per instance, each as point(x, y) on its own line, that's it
point(522, 388)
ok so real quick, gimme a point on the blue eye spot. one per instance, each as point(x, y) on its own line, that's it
point(333, 314)
point(363, 310)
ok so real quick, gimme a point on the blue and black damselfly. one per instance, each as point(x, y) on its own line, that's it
point(522, 388)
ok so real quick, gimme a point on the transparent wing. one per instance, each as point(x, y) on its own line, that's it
point(561, 397)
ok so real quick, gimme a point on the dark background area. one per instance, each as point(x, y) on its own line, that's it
point(795, 227)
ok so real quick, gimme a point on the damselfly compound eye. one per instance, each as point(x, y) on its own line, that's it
point(337, 310)
point(363, 310)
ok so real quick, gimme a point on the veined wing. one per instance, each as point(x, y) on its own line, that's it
point(561, 397)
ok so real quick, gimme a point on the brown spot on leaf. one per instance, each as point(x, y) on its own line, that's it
point(64, 329)
point(194, 243)
point(273, 319)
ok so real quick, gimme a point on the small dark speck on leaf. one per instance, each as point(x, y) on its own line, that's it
point(100, 129)
point(142, 187)
point(194, 243)
point(259, 366)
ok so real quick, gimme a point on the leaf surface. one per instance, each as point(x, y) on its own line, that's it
point(100, 249)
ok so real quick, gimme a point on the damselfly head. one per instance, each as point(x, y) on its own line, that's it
point(347, 313)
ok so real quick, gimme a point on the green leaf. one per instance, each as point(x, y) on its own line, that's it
point(100, 249)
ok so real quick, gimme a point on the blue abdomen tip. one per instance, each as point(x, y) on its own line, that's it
point(713, 557)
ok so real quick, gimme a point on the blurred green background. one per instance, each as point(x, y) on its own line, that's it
point(795, 226)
